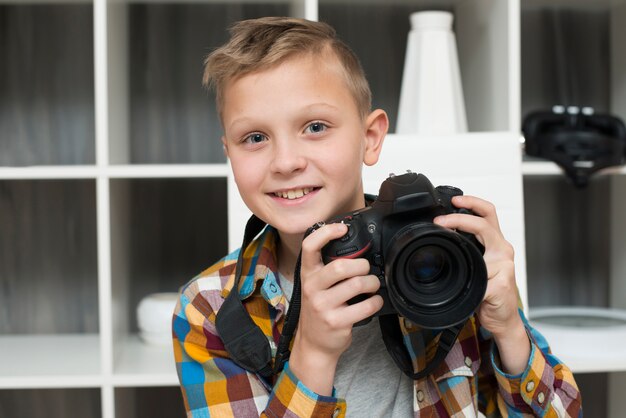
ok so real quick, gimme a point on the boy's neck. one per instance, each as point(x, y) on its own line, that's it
point(287, 254)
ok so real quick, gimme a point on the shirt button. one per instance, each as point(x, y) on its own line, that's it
point(468, 361)
point(408, 324)
point(420, 396)
point(530, 386)
point(541, 397)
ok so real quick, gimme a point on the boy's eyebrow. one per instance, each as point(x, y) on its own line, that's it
point(314, 106)
point(244, 120)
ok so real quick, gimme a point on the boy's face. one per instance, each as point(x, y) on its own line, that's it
point(296, 142)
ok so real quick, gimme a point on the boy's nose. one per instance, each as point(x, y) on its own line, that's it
point(288, 158)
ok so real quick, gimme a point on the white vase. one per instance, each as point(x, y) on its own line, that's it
point(431, 97)
point(154, 318)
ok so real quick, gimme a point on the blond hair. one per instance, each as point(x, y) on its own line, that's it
point(259, 44)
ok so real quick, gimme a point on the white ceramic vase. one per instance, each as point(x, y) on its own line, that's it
point(154, 318)
point(431, 97)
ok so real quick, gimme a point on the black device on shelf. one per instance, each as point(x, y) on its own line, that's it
point(579, 140)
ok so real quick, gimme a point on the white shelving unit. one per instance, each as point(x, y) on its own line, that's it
point(112, 149)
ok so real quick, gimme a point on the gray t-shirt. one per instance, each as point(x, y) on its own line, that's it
point(366, 376)
point(369, 380)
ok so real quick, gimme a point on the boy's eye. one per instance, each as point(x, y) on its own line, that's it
point(255, 138)
point(316, 127)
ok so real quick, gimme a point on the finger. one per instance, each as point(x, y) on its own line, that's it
point(476, 225)
point(340, 270)
point(348, 315)
point(312, 245)
point(349, 288)
point(351, 314)
point(480, 207)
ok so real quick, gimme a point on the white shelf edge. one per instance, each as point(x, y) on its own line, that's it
point(36, 2)
point(114, 171)
point(57, 2)
point(167, 170)
point(529, 168)
point(153, 380)
point(587, 347)
point(584, 367)
point(139, 364)
point(48, 172)
point(52, 382)
point(67, 360)
point(543, 168)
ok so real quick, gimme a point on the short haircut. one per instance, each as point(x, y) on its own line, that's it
point(259, 44)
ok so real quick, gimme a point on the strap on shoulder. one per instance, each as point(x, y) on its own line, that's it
point(243, 339)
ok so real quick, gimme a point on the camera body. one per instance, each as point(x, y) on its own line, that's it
point(431, 275)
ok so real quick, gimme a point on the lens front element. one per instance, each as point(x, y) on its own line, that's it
point(427, 264)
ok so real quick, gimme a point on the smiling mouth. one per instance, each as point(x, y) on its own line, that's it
point(294, 193)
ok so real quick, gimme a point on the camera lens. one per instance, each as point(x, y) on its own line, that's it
point(435, 277)
point(427, 264)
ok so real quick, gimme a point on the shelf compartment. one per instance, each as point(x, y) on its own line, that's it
point(163, 233)
point(153, 402)
point(159, 112)
point(484, 46)
point(47, 84)
point(567, 241)
point(50, 361)
point(569, 55)
point(48, 257)
point(50, 403)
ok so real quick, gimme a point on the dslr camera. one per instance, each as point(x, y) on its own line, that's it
point(431, 275)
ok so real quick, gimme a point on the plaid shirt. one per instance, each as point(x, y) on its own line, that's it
point(467, 381)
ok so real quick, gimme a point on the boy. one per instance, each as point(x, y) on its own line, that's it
point(295, 108)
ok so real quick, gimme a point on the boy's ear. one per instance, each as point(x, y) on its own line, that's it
point(224, 146)
point(376, 127)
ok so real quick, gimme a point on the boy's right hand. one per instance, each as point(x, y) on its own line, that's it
point(326, 320)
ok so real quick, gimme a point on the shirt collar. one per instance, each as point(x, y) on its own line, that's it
point(259, 260)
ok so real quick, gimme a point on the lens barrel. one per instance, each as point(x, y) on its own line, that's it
point(435, 277)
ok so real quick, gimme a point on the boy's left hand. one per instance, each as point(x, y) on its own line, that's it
point(498, 311)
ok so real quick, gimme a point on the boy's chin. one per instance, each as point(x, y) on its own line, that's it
point(295, 229)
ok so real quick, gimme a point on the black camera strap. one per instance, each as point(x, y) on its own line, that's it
point(394, 341)
point(244, 341)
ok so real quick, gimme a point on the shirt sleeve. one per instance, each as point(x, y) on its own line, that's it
point(545, 388)
point(214, 386)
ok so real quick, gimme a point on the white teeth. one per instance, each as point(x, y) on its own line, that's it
point(294, 193)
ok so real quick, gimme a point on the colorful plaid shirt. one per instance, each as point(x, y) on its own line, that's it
point(468, 383)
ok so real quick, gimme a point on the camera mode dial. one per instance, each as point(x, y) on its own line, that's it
point(354, 244)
